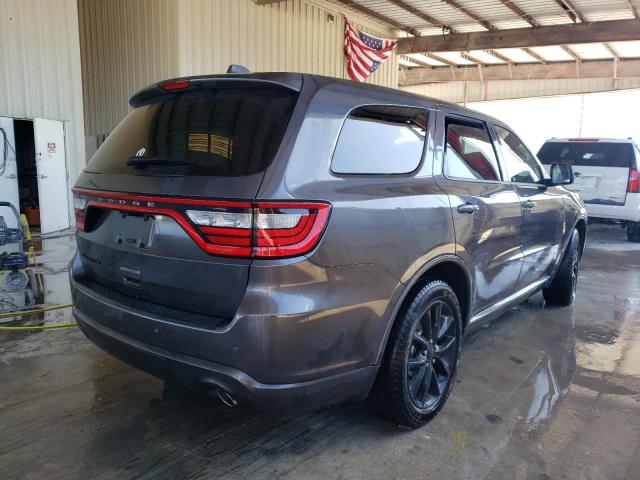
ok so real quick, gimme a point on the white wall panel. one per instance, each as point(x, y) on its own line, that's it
point(128, 44)
point(603, 114)
point(125, 44)
point(40, 73)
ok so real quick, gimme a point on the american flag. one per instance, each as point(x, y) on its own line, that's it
point(364, 52)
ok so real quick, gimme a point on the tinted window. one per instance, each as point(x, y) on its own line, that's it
point(469, 152)
point(594, 154)
point(381, 139)
point(219, 132)
point(518, 163)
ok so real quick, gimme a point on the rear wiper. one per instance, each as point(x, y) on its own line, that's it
point(144, 162)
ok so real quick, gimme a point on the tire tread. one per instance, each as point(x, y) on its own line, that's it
point(387, 397)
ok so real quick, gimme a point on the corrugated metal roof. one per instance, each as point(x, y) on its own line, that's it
point(496, 13)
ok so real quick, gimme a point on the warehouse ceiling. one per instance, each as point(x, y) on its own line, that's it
point(446, 40)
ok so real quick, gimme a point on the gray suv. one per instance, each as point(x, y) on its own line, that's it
point(290, 241)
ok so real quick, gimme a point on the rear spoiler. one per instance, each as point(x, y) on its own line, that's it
point(288, 81)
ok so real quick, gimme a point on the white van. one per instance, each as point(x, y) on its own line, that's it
point(606, 176)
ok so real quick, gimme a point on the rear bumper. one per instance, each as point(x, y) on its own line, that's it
point(200, 374)
point(277, 353)
point(630, 211)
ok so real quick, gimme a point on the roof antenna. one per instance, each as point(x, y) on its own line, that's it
point(233, 68)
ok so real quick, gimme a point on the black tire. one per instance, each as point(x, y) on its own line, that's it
point(562, 290)
point(421, 359)
point(633, 231)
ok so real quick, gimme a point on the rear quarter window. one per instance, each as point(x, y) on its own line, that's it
point(381, 140)
point(588, 154)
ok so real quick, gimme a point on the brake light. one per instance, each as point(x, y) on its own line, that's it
point(634, 181)
point(79, 205)
point(175, 85)
point(262, 229)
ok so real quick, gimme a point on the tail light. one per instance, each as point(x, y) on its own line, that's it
point(261, 229)
point(79, 205)
point(284, 229)
point(634, 181)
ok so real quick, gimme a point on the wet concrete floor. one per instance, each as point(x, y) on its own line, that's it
point(542, 393)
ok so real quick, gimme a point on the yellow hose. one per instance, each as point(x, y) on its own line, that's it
point(16, 313)
point(41, 327)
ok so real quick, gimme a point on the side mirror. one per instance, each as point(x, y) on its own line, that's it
point(561, 174)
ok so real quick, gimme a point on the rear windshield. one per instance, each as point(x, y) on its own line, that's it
point(216, 132)
point(595, 154)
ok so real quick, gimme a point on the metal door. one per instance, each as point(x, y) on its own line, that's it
point(52, 174)
point(487, 217)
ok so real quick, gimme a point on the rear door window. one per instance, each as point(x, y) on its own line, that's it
point(518, 164)
point(469, 153)
point(381, 140)
point(588, 154)
point(215, 132)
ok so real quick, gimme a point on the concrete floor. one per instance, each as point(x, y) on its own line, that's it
point(542, 393)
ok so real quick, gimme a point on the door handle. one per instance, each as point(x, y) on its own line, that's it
point(576, 174)
point(468, 208)
point(13, 175)
point(43, 176)
point(528, 204)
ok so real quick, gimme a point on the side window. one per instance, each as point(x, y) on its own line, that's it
point(518, 163)
point(381, 140)
point(469, 152)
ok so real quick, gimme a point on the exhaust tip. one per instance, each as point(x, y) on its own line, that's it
point(225, 398)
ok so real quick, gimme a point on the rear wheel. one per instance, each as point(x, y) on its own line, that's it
point(422, 357)
point(633, 231)
point(562, 290)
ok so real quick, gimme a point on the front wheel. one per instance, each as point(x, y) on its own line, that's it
point(421, 359)
point(562, 290)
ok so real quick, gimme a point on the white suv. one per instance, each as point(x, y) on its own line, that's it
point(606, 176)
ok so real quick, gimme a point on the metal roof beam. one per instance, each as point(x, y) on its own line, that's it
point(470, 14)
point(612, 51)
point(518, 11)
point(571, 53)
point(440, 59)
point(633, 8)
point(499, 56)
point(380, 17)
point(571, 10)
point(588, 32)
point(534, 55)
point(416, 61)
point(472, 59)
point(420, 14)
point(530, 71)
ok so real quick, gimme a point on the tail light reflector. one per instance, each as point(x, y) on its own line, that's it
point(634, 181)
point(262, 229)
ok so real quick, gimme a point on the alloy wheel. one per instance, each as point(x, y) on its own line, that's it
point(431, 356)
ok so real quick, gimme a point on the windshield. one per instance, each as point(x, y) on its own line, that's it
point(216, 132)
